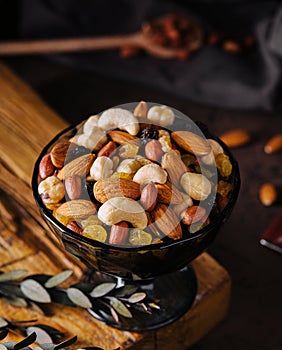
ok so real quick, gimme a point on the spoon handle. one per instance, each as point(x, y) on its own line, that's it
point(67, 45)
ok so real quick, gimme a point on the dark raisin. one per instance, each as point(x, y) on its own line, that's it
point(150, 133)
point(90, 190)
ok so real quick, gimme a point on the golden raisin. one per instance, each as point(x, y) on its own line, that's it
point(96, 232)
point(140, 237)
point(223, 188)
point(223, 164)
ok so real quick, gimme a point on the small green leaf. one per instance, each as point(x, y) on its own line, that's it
point(78, 298)
point(102, 289)
point(8, 289)
point(34, 291)
point(3, 334)
point(9, 345)
point(25, 342)
point(41, 335)
point(136, 297)
point(47, 346)
point(154, 306)
point(54, 333)
point(12, 275)
point(16, 301)
point(59, 296)
point(66, 343)
point(58, 279)
point(3, 323)
point(114, 315)
point(120, 307)
point(126, 290)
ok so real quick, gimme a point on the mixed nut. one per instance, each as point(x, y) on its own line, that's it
point(123, 178)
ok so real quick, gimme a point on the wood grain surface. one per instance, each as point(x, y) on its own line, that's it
point(27, 124)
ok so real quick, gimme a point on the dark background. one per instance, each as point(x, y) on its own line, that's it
point(76, 89)
point(250, 80)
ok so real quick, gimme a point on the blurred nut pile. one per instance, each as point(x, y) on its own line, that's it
point(125, 179)
point(186, 34)
point(172, 31)
point(268, 192)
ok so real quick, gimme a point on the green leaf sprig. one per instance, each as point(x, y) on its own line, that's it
point(102, 298)
point(47, 338)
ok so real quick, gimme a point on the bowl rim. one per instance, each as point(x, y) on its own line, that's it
point(156, 246)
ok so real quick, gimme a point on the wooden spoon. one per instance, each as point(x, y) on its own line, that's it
point(139, 40)
point(86, 44)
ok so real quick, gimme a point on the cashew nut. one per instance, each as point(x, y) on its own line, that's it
point(119, 209)
point(129, 166)
point(208, 159)
point(101, 168)
point(161, 115)
point(150, 172)
point(119, 118)
point(215, 146)
point(90, 124)
point(187, 202)
point(94, 140)
point(196, 185)
point(216, 149)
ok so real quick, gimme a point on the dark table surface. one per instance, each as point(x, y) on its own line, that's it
point(255, 316)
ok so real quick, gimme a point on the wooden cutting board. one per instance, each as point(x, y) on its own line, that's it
point(27, 124)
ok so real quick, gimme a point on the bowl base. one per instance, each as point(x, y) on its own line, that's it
point(173, 293)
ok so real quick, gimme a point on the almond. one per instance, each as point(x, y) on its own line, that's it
point(155, 231)
point(77, 209)
point(79, 166)
point(108, 150)
point(172, 163)
point(193, 214)
point(141, 109)
point(58, 154)
point(267, 194)
point(74, 227)
point(166, 220)
point(231, 46)
point(235, 138)
point(153, 150)
point(274, 144)
point(73, 186)
point(46, 167)
point(119, 233)
point(122, 137)
point(168, 194)
point(191, 142)
point(105, 189)
point(149, 196)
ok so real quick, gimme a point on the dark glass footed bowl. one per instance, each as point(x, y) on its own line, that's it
point(143, 262)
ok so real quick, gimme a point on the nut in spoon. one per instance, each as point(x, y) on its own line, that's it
point(142, 39)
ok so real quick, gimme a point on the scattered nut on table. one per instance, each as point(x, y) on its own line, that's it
point(235, 138)
point(268, 194)
point(274, 144)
